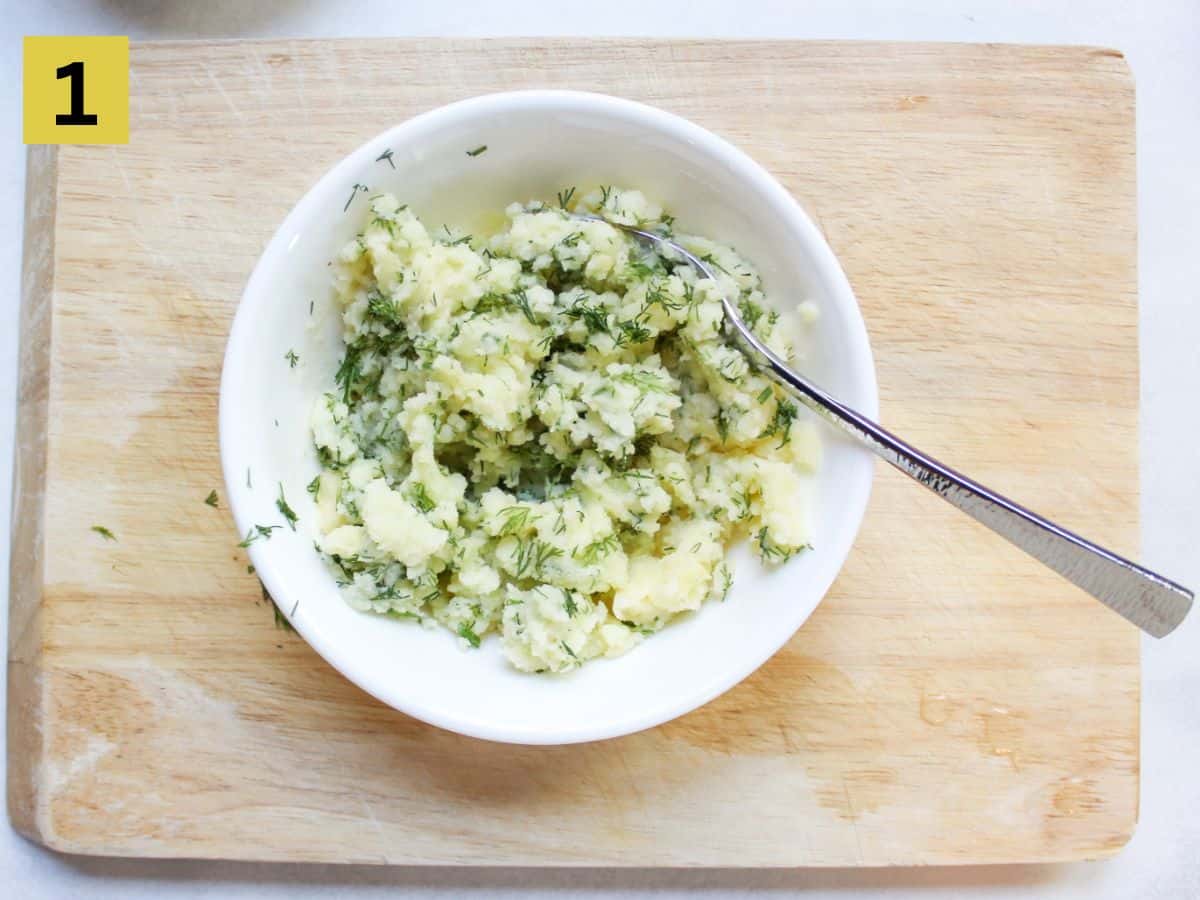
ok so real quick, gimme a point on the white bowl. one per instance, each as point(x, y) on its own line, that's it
point(537, 143)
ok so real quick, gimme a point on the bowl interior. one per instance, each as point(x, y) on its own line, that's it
point(537, 144)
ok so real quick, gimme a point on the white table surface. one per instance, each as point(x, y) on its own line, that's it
point(1161, 38)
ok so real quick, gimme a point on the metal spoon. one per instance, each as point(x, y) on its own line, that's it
point(1151, 602)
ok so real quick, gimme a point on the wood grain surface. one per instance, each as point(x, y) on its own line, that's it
point(949, 702)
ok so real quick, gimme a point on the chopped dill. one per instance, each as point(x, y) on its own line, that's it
point(467, 633)
point(596, 550)
point(104, 532)
point(593, 317)
point(482, 148)
point(532, 557)
point(281, 621)
point(516, 519)
point(286, 511)
point(211, 499)
point(645, 380)
point(348, 372)
point(772, 552)
point(521, 300)
point(386, 155)
point(564, 198)
point(632, 332)
point(258, 532)
point(291, 358)
point(354, 192)
point(726, 575)
point(421, 499)
point(750, 312)
point(781, 424)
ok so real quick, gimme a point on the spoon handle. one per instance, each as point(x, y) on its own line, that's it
point(1151, 602)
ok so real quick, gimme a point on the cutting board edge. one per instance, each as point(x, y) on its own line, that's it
point(51, 840)
point(1054, 49)
point(26, 695)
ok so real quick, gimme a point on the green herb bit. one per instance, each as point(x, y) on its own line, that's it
point(632, 332)
point(516, 519)
point(258, 532)
point(655, 295)
point(569, 603)
point(564, 197)
point(521, 300)
point(482, 148)
point(772, 552)
point(640, 268)
point(314, 485)
point(281, 621)
point(104, 532)
point(250, 570)
point(741, 500)
point(533, 555)
point(570, 652)
point(467, 633)
point(726, 580)
point(750, 312)
point(517, 301)
point(354, 192)
point(211, 499)
point(781, 424)
point(388, 225)
point(765, 395)
point(286, 511)
point(645, 381)
point(452, 241)
point(605, 193)
point(348, 372)
point(597, 550)
point(594, 317)
point(386, 155)
point(291, 358)
point(421, 499)
point(383, 307)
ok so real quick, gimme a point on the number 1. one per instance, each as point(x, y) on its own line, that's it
point(76, 116)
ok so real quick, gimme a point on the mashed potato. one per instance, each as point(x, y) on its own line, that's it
point(543, 434)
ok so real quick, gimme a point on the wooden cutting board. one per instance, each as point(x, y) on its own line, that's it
point(949, 702)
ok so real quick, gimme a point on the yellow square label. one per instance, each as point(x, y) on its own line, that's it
point(76, 90)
